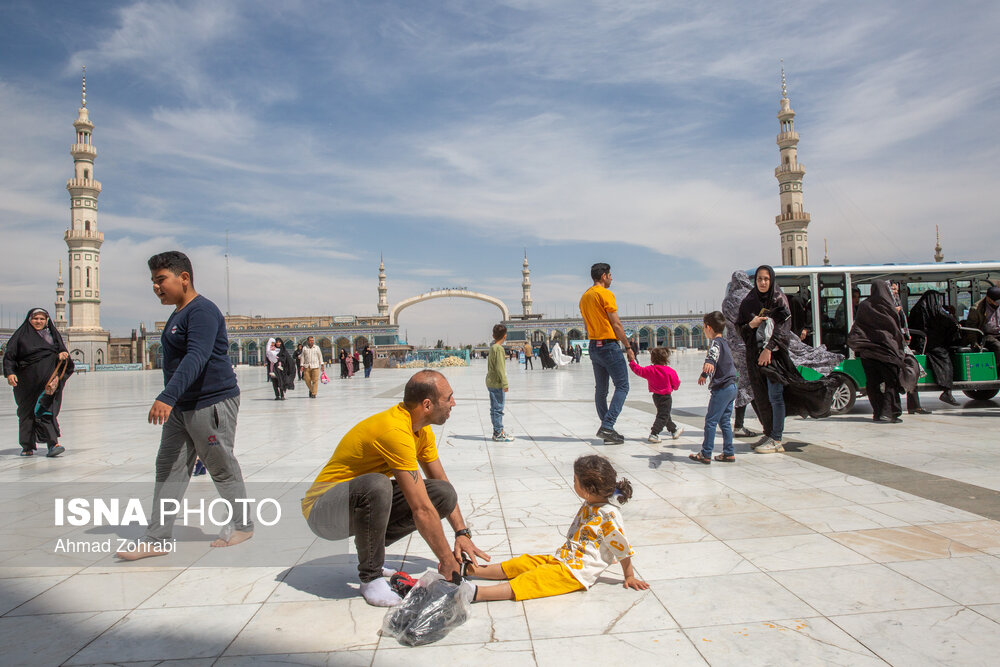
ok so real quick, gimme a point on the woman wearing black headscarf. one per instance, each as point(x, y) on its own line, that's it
point(764, 322)
point(941, 328)
point(33, 353)
point(543, 354)
point(877, 339)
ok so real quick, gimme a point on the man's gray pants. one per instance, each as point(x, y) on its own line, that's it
point(208, 433)
point(373, 509)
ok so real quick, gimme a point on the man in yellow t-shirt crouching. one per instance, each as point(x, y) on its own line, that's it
point(371, 487)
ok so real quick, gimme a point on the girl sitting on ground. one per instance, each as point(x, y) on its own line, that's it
point(595, 540)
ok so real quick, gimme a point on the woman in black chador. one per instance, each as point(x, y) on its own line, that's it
point(33, 353)
point(877, 339)
point(546, 358)
point(764, 322)
point(941, 328)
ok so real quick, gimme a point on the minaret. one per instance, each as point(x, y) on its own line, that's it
point(383, 299)
point(60, 318)
point(938, 255)
point(826, 255)
point(526, 287)
point(84, 243)
point(793, 220)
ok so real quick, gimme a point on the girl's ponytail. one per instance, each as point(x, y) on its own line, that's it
point(623, 491)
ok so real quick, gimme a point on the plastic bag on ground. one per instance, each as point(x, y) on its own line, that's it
point(432, 609)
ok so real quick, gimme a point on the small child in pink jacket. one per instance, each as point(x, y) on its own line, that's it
point(663, 381)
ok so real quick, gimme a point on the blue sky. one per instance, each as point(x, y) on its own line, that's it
point(451, 136)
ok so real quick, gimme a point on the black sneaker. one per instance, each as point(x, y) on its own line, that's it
point(610, 436)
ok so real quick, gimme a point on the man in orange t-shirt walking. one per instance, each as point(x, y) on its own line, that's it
point(604, 329)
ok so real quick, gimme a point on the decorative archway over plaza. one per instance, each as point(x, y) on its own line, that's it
point(443, 293)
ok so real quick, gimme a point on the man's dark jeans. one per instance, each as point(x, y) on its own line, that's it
point(609, 363)
point(372, 509)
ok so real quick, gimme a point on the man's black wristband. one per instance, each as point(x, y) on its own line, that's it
point(465, 531)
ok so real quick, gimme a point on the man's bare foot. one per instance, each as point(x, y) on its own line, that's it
point(143, 550)
point(234, 539)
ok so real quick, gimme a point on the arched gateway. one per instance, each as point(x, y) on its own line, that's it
point(442, 293)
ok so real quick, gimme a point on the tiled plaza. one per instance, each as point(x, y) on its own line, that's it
point(863, 544)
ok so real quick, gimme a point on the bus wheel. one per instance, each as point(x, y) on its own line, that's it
point(981, 394)
point(844, 395)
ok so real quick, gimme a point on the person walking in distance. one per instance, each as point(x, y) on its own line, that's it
point(368, 360)
point(312, 365)
point(528, 353)
point(605, 331)
point(198, 407)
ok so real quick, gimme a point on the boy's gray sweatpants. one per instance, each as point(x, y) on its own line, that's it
point(207, 433)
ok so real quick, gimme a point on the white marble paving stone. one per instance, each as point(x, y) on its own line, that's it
point(991, 611)
point(606, 607)
point(924, 511)
point(734, 598)
point(810, 641)
point(199, 586)
point(793, 552)
point(50, 639)
point(968, 581)
point(707, 558)
point(855, 589)
point(636, 649)
point(299, 627)
point(15, 592)
point(941, 636)
point(643, 532)
point(168, 634)
point(97, 592)
point(848, 518)
point(753, 524)
point(357, 658)
point(494, 654)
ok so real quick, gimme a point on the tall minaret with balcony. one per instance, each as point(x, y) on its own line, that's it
point(88, 342)
point(60, 318)
point(526, 287)
point(793, 220)
point(383, 291)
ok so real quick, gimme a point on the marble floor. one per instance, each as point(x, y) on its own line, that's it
point(773, 559)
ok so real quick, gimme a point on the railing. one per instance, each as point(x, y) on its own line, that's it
point(83, 148)
point(786, 136)
point(83, 234)
point(790, 168)
point(84, 183)
point(795, 216)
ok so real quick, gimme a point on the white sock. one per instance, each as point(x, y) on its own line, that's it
point(378, 594)
point(472, 588)
point(387, 571)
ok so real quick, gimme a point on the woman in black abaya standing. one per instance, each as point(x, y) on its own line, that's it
point(764, 322)
point(33, 352)
point(877, 339)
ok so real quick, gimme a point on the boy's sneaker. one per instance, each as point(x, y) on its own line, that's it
point(653, 438)
point(678, 433)
point(769, 447)
point(503, 436)
point(763, 440)
point(744, 432)
point(610, 436)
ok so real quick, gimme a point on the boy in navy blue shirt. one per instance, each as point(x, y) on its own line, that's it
point(721, 374)
point(198, 407)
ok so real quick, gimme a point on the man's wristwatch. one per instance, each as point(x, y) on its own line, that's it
point(464, 532)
